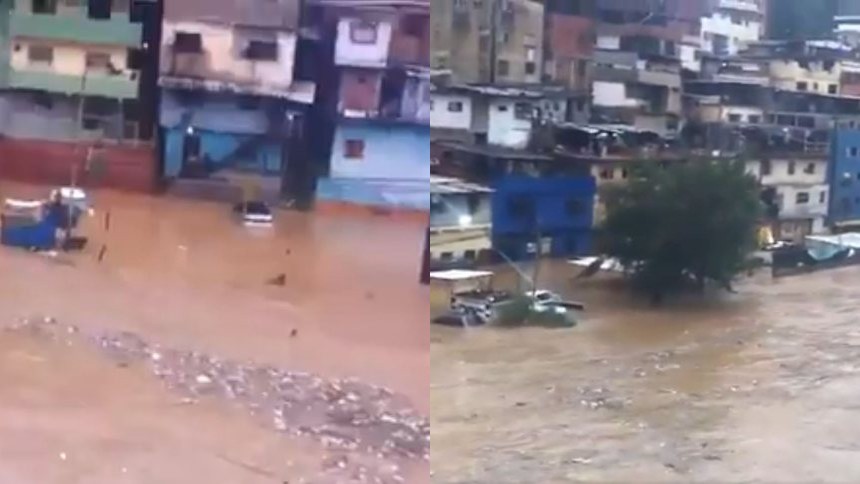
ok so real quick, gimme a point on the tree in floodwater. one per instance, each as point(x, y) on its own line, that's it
point(682, 225)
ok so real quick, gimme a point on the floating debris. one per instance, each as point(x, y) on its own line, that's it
point(345, 415)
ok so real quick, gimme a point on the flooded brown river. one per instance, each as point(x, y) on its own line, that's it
point(763, 386)
point(184, 275)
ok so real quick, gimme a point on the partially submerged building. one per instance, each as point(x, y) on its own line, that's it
point(230, 101)
point(460, 222)
point(378, 90)
point(71, 80)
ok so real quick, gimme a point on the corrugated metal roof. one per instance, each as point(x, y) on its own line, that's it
point(444, 185)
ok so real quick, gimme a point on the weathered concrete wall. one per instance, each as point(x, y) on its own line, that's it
point(222, 58)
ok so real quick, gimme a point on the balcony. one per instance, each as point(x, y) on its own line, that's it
point(118, 30)
point(117, 87)
point(660, 78)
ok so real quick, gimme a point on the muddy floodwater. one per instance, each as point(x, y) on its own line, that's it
point(254, 320)
point(763, 386)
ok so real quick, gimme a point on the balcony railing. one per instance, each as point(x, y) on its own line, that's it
point(118, 87)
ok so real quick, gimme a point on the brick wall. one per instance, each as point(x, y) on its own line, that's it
point(47, 162)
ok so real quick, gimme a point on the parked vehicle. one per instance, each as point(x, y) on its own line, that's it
point(255, 213)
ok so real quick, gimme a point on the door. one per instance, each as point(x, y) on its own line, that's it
point(191, 162)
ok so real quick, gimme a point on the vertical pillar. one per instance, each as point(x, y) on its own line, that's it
point(425, 266)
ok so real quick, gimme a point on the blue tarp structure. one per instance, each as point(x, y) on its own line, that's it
point(29, 225)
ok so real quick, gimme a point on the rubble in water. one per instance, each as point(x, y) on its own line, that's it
point(350, 418)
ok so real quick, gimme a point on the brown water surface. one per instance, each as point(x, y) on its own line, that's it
point(759, 387)
point(185, 275)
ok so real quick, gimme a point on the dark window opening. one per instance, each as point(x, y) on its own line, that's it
point(470, 255)
point(40, 54)
point(734, 118)
point(765, 167)
point(455, 106)
point(413, 25)
point(792, 167)
point(503, 67)
point(809, 169)
point(136, 59)
point(531, 68)
point(45, 6)
point(802, 198)
point(43, 100)
point(523, 111)
point(354, 149)
point(261, 50)
point(99, 9)
point(188, 43)
point(833, 89)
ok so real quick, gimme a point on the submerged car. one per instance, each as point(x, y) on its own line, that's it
point(254, 213)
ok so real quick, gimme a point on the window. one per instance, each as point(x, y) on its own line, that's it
point(810, 168)
point(765, 167)
point(40, 54)
point(503, 67)
point(523, 111)
point(470, 255)
point(43, 100)
point(833, 89)
point(792, 167)
point(802, 198)
point(734, 118)
point(98, 61)
point(447, 256)
point(45, 6)
point(754, 119)
point(412, 25)
point(624, 173)
point(822, 197)
point(135, 59)
point(262, 50)
point(99, 9)
point(502, 108)
point(455, 106)
point(188, 43)
point(852, 152)
point(98, 113)
point(531, 68)
point(815, 86)
point(607, 173)
point(802, 86)
point(353, 149)
point(362, 32)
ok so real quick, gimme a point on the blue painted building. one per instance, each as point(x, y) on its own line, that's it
point(844, 179)
point(558, 211)
point(379, 163)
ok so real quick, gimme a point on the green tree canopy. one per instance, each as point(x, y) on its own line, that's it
point(688, 223)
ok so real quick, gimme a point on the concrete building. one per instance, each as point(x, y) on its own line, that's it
point(844, 178)
point(489, 41)
point(460, 222)
point(230, 99)
point(71, 76)
point(731, 25)
point(380, 149)
point(569, 37)
point(802, 191)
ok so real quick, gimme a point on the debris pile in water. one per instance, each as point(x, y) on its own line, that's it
point(349, 417)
